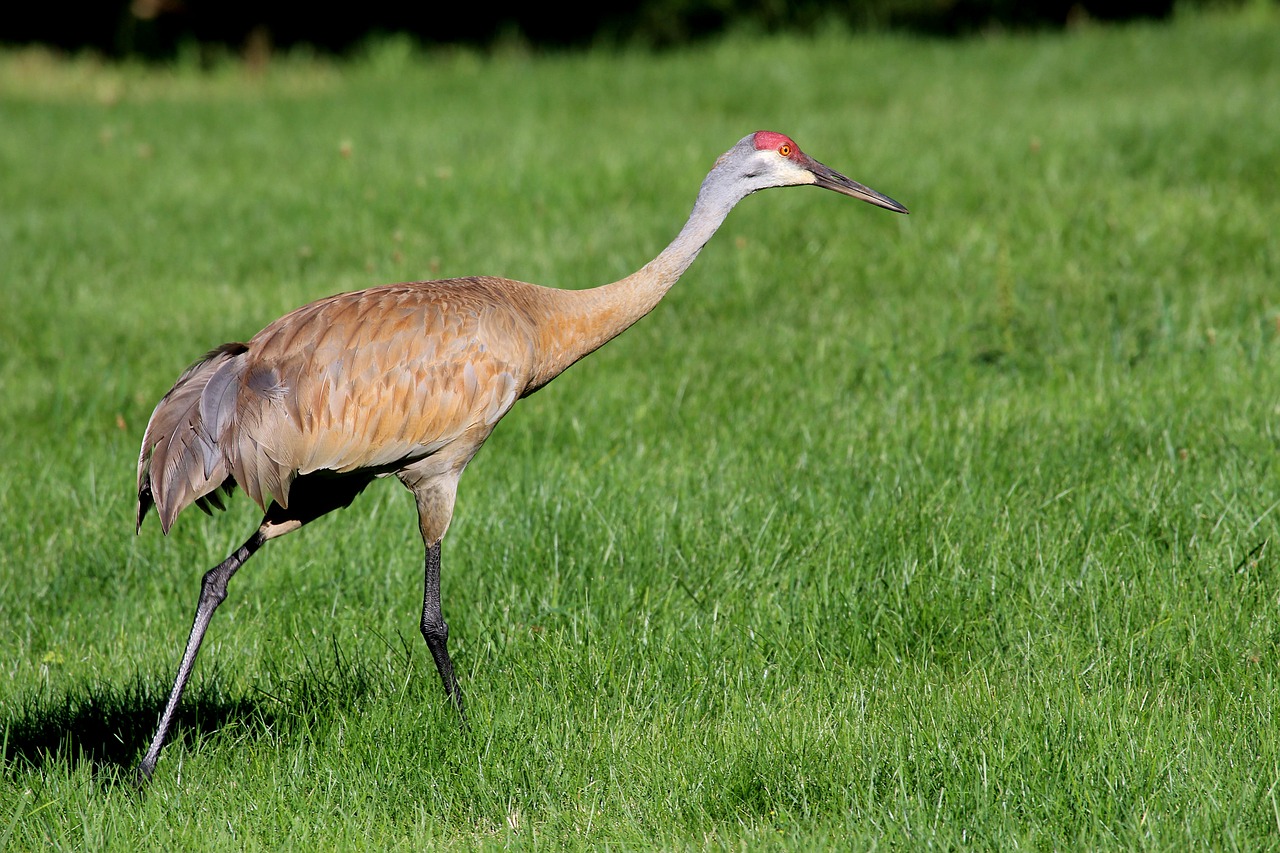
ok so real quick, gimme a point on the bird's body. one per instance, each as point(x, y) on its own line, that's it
point(406, 380)
point(360, 383)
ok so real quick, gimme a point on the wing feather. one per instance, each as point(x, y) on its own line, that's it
point(179, 461)
point(373, 380)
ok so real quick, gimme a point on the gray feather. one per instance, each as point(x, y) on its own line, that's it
point(180, 461)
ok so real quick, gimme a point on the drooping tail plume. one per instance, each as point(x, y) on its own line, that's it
point(181, 462)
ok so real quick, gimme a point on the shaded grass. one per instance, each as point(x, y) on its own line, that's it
point(954, 529)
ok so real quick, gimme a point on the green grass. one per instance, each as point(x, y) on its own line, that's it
point(956, 529)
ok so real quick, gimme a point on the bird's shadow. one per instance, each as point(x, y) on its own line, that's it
point(107, 726)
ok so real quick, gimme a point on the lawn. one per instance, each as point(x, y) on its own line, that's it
point(955, 529)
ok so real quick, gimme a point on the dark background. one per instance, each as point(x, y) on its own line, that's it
point(159, 29)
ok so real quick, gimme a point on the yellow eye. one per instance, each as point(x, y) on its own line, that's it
point(785, 150)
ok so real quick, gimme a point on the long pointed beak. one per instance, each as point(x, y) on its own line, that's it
point(830, 179)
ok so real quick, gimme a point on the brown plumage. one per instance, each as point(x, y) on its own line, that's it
point(406, 380)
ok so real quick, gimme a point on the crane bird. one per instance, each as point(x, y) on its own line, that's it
point(405, 380)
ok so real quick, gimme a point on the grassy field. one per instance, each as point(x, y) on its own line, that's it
point(956, 529)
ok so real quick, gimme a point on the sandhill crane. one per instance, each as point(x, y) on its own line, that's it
point(405, 380)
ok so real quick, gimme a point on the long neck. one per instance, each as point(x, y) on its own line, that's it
point(581, 321)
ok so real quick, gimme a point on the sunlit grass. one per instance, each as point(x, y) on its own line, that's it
point(958, 528)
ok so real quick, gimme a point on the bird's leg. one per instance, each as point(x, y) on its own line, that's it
point(308, 505)
point(436, 631)
point(212, 592)
point(435, 494)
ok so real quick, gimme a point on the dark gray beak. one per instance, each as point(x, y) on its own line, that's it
point(830, 179)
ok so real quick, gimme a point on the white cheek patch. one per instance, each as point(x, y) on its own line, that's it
point(797, 174)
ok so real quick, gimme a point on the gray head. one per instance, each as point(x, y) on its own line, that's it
point(767, 159)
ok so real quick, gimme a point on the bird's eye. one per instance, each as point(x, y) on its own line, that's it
point(785, 150)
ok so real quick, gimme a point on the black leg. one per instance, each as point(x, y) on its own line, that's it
point(212, 592)
point(436, 631)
